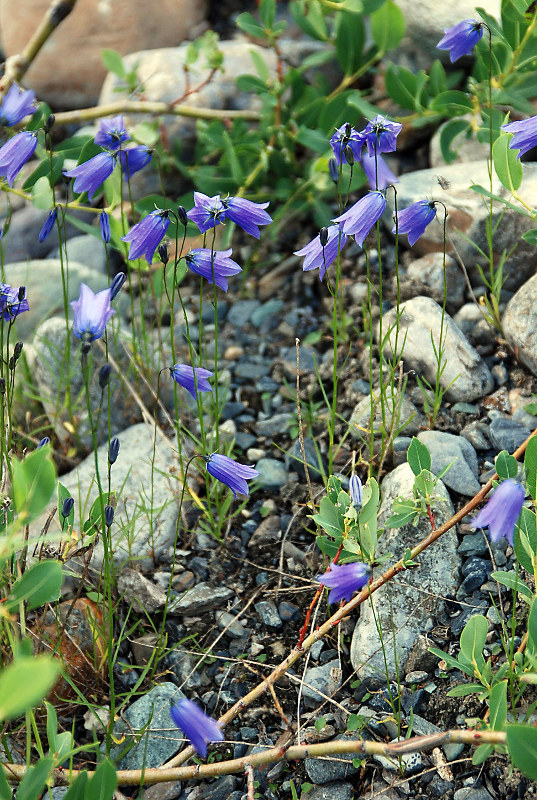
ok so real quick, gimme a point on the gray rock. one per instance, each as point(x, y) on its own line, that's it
point(325, 770)
point(411, 762)
point(169, 790)
point(272, 473)
point(200, 598)
point(327, 678)
point(241, 312)
point(426, 275)
point(404, 608)
point(465, 373)
point(251, 370)
point(473, 544)
point(182, 664)
point(468, 148)
point(446, 448)
point(331, 791)
point(294, 459)
point(139, 592)
point(506, 434)
point(88, 250)
point(160, 741)
point(476, 433)
point(266, 317)
point(520, 323)
point(230, 624)
point(278, 423)
point(470, 320)
point(401, 414)
point(268, 614)
point(308, 358)
point(469, 793)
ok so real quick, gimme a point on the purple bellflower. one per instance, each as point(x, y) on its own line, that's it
point(112, 133)
point(344, 580)
point(231, 473)
point(524, 134)
point(146, 235)
point(12, 302)
point(134, 159)
point(502, 511)
point(208, 212)
point(377, 172)
point(316, 256)
point(461, 39)
point(246, 214)
point(90, 175)
point(344, 137)
point(104, 222)
point(213, 265)
point(48, 225)
point(16, 105)
point(191, 377)
point(355, 490)
point(92, 312)
point(198, 728)
point(15, 153)
point(361, 217)
point(380, 135)
point(414, 219)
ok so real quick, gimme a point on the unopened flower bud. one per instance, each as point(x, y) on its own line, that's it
point(104, 221)
point(49, 124)
point(48, 225)
point(348, 131)
point(17, 350)
point(68, 505)
point(12, 363)
point(163, 253)
point(22, 293)
point(333, 169)
point(323, 236)
point(355, 491)
point(181, 213)
point(2, 386)
point(117, 283)
point(45, 440)
point(113, 450)
point(104, 375)
point(349, 155)
point(108, 515)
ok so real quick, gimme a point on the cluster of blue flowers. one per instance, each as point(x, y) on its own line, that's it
point(12, 302)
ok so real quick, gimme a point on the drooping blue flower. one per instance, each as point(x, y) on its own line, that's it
point(104, 222)
point(112, 133)
point(15, 153)
point(355, 490)
point(198, 728)
point(92, 312)
point(414, 219)
point(208, 212)
point(346, 136)
point(213, 265)
point(379, 176)
point(48, 225)
point(16, 105)
point(316, 256)
point(184, 376)
point(247, 214)
point(231, 473)
point(134, 159)
point(502, 511)
point(461, 39)
point(90, 175)
point(146, 235)
point(344, 580)
point(361, 217)
point(380, 135)
point(524, 134)
point(117, 283)
point(13, 301)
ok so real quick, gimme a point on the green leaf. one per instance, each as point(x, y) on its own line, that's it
point(531, 238)
point(513, 581)
point(77, 789)
point(246, 22)
point(309, 16)
point(63, 494)
point(464, 689)
point(473, 638)
point(5, 789)
point(103, 784)
point(506, 465)
point(113, 62)
point(437, 77)
point(481, 190)
point(508, 167)
point(350, 40)
point(25, 682)
point(451, 662)
point(40, 584)
point(498, 706)
point(34, 481)
point(532, 625)
point(418, 456)
point(42, 194)
point(328, 518)
point(35, 779)
point(481, 753)
point(387, 26)
point(405, 87)
point(354, 722)
point(452, 103)
point(525, 539)
point(530, 466)
point(267, 11)
point(405, 512)
point(522, 747)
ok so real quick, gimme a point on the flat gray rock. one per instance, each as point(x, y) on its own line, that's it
point(200, 598)
point(446, 448)
point(401, 414)
point(519, 323)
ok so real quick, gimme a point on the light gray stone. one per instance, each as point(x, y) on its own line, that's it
point(426, 276)
point(470, 320)
point(467, 148)
point(519, 323)
point(272, 473)
point(200, 598)
point(325, 770)
point(88, 250)
point(401, 415)
point(465, 373)
point(139, 591)
point(331, 791)
point(405, 608)
point(446, 448)
point(326, 677)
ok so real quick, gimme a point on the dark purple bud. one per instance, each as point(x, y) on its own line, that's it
point(108, 515)
point(163, 253)
point(348, 130)
point(105, 226)
point(333, 169)
point(2, 386)
point(45, 440)
point(49, 124)
point(117, 283)
point(17, 350)
point(68, 505)
point(323, 236)
point(349, 155)
point(49, 224)
point(12, 363)
point(181, 213)
point(21, 293)
point(104, 375)
point(113, 450)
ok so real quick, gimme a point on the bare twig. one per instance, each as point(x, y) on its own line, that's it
point(153, 109)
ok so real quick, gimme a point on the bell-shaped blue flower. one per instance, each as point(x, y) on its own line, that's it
point(215, 266)
point(112, 133)
point(461, 39)
point(191, 377)
point(198, 728)
point(15, 153)
point(524, 134)
point(346, 136)
point(378, 174)
point(318, 257)
point(146, 235)
point(361, 217)
point(227, 471)
point(380, 135)
point(344, 580)
point(91, 313)
point(208, 212)
point(247, 214)
point(12, 302)
point(502, 511)
point(134, 159)
point(16, 105)
point(91, 175)
point(414, 219)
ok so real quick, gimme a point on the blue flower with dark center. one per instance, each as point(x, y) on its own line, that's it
point(461, 39)
point(90, 175)
point(380, 135)
point(191, 377)
point(146, 235)
point(12, 302)
point(414, 219)
point(247, 214)
point(92, 312)
point(524, 134)
point(48, 225)
point(134, 159)
point(502, 511)
point(15, 153)
point(377, 172)
point(344, 580)
point(16, 105)
point(361, 217)
point(213, 265)
point(318, 257)
point(104, 222)
point(198, 728)
point(112, 133)
point(344, 137)
point(231, 473)
point(208, 212)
